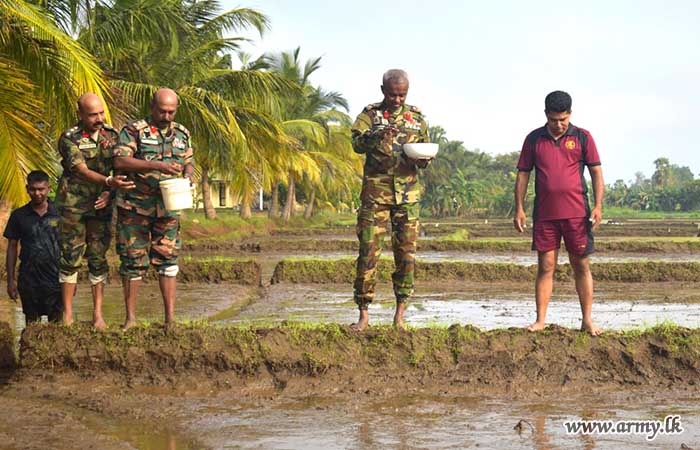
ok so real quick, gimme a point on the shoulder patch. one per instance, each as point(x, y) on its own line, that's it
point(415, 109)
point(71, 131)
point(182, 128)
point(109, 128)
point(372, 106)
point(139, 124)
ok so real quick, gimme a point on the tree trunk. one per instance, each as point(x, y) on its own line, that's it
point(246, 202)
point(291, 197)
point(275, 202)
point(310, 206)
point(209, 211)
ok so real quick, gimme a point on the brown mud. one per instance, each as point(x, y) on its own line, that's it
point(7, 352)
point(343, 271)
point(331, 358)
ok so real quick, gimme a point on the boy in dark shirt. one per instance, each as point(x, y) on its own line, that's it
point(35, 226)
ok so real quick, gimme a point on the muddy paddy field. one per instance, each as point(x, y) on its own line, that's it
point(264, 356)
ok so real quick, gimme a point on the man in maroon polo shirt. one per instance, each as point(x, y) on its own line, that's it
point(559, 152)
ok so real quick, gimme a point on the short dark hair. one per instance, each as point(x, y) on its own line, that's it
point(557, 102)
point(37, 176)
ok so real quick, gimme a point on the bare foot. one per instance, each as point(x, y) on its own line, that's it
point(399, 323)
point(67, 321)
point(398, 316)
point(537, 326)
point(591, 328)
point(362, 322)
point(129, 324)
point(99, 325)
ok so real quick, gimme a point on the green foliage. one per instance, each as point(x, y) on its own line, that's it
point(671, 189)
point(463, 182)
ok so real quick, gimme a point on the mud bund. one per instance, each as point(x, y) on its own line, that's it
point(455, 356)
point(7, 343)
point(343, 271)
point(652, 246)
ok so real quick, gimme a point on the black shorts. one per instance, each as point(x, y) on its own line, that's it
point(40, 300)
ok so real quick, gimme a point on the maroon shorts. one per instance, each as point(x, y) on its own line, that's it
point(577, 234)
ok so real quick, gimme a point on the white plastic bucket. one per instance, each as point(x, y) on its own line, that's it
point(177, 193)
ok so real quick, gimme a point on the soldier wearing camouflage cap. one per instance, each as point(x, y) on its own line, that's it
point(83, 201)
point(151, 150)
point(390, 191)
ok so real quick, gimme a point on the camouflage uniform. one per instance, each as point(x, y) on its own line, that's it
point(83, 229)
point(143, 222)
point(390, 192)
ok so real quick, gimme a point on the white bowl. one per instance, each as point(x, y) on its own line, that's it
point(420, 151)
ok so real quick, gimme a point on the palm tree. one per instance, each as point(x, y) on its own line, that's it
point(341, 169)
point(43, 71)
point(222, 106)
point(307, 117)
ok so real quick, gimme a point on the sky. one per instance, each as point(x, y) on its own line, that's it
point(481, 69)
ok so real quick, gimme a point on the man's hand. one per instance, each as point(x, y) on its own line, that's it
point(12, 290)
point(520, 221)
point(103, 200)
point(384, 131)
point(120, 182)
point(422, 162)
point(169, 168)
point(596, 217)
point(189, 177)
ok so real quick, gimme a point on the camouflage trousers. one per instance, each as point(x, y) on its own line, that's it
point(372, 225)
point(84, 233)
point(143, 239)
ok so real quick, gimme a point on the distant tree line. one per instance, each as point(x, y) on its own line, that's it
point(471, 183)
point(670, 188)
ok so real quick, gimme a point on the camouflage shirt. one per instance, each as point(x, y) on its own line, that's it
point(143, 140)
point(390, 178)
point(77, 147)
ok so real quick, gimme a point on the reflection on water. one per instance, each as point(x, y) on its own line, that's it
point(194, 301)
point(455, 422)
point(615, 307)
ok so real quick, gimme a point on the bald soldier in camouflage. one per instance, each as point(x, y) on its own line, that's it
point(83, 201)
point(151, 150)
point(390, 192)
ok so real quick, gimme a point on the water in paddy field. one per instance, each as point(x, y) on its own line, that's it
point(441, 422)
point(485, 305)
point(222, 420)
point(497, 305)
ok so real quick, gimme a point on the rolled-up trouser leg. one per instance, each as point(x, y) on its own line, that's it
point(372, 225)
point(404, 235)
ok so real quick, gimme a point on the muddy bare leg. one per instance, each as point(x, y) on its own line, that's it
point(398, 315)
point(168, 289)
point(584, 288)
point(363, 321)
point(546, 263)
point(98, 291)
point(131, 290)
point(67, 294)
